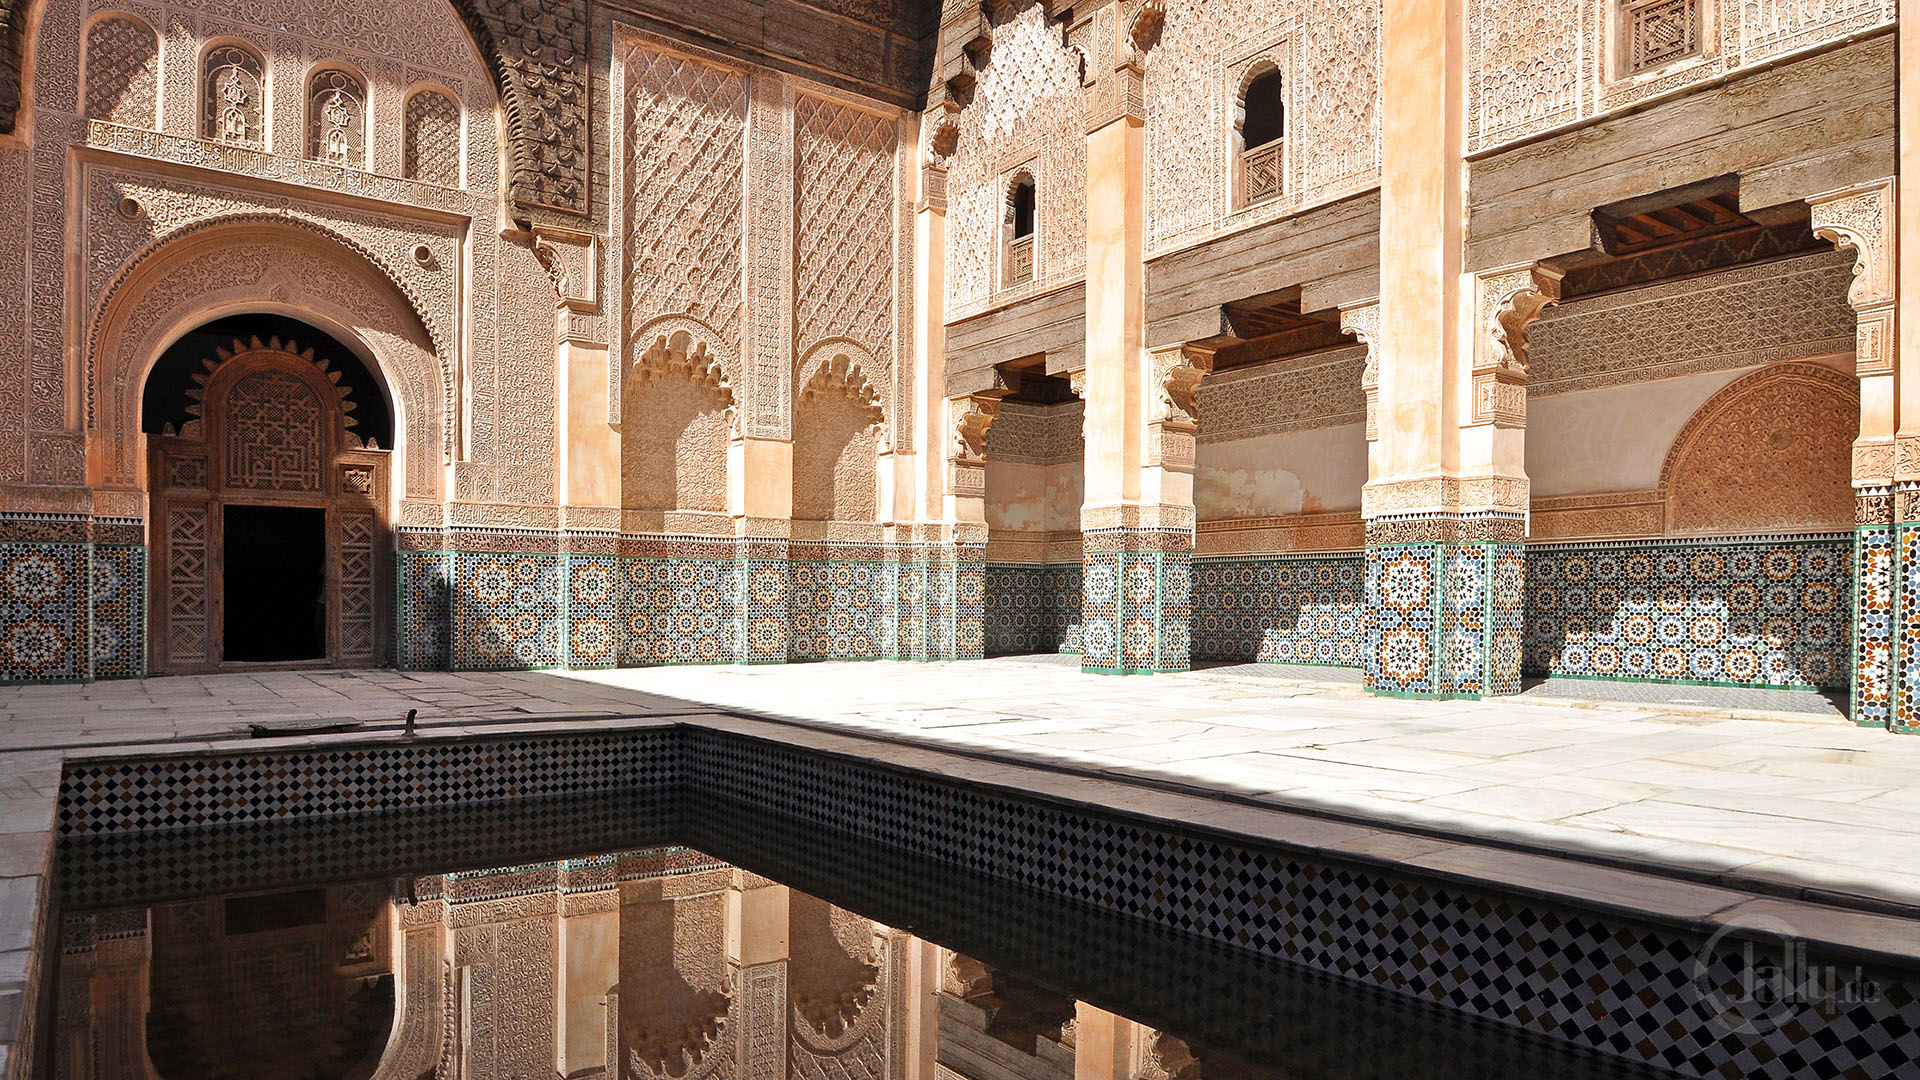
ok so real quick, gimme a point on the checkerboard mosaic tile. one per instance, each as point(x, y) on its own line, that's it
point(1283, 609)
point(196, 792)
point(1651, 995)
point(1768, 611)
point(1031, 609)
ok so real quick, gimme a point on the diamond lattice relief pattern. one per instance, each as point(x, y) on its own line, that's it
point(433, 139)
point(123, 60)
point(685, 126)
point(845, 218)
point(1662, 31)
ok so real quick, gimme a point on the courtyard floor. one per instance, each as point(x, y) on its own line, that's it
point(1779, 801)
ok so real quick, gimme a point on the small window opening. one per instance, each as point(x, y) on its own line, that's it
point(1263, 129)
point(1019, 243)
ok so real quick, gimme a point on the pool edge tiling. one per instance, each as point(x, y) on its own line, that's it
point(1614, 970)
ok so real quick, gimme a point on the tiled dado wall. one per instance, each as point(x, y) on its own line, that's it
point(1646, 992)
point(1287, 609)
point(1284, 609)
point(490, 600)
point(73, 593)
point(1032, 608)
point(1747, 611)
point(1136, 608)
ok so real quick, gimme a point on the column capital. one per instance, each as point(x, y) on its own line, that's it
point(1362, 322)
point(1507, 300)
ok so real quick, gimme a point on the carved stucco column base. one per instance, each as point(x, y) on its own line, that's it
point(1136, 597)
point(1445, 605)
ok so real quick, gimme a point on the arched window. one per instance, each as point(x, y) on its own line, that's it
point(1018, 228)
point(123, 61)
point(337, 118)
point(431, 152)
point(233, 96)
point(1262, 138)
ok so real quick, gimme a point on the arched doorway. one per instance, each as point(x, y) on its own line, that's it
point(269, 500)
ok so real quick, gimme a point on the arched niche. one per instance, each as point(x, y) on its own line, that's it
point(1768, 453)
point(839, 424)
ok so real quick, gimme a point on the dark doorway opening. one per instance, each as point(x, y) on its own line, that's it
point(275, 578)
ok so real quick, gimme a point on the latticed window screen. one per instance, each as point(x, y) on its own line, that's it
point(1661, 31)
point(337, 119)
point(123, 59)
point(1020, 260)
point(1260, 173)
point(233, 97)
point(432, 151)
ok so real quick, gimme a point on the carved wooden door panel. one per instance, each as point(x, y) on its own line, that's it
point(273, 432)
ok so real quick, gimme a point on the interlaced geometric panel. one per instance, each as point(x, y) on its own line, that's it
point(337, 119)
point(844, 213)
point(1661, 31)
point(432, 150)
point(686, 124)
point(276, 437)
point(356, 586)
point(123, 62)
point(186, 584)
point(234, 97)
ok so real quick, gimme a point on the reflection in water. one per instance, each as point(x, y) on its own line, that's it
point(662, 962)
point(667, 962)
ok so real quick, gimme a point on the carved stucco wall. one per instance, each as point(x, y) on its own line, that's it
point(1539, 64)
point(766, 217)
point(674, 452)
point(835, 452)
point(1770, 453)
point(499, 334)
point(1026, 112)
point(1328, 54)
point(1780, 310)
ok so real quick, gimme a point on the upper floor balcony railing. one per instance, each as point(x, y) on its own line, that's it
point(1261, 173)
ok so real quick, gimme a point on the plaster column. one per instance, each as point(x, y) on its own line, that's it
point(1136, 521)
point(1103, 1044)
point(1445, 502)
point(760, 475)
point(1886, 464)
point(587, 450)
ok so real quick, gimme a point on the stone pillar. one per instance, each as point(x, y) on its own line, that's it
point(1137, 519)
point(1886, 465)
point(761, 473)
point(1446, 499)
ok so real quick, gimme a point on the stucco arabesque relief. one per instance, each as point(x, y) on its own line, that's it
point(1533, 68)
point(394, 31)
point(114, 246)
point(814, 210)
point(1861, 220)
point(1026, 111)
point(1329, 57)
